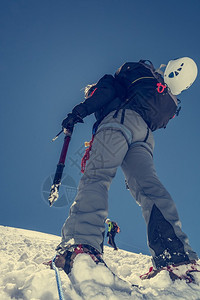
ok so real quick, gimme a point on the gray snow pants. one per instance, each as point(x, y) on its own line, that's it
point(129, 145)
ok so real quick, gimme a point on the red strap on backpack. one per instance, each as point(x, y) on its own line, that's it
point(86, 156)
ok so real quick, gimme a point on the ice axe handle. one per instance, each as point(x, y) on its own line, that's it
point(59, 171)
point(61, 163)
point(64, 149)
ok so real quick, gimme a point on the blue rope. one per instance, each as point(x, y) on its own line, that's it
point(59, 285)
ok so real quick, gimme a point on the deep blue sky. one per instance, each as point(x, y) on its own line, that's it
point(49, 51)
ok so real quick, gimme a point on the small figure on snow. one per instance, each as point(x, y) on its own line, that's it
point(129, 107)
point(113, 228)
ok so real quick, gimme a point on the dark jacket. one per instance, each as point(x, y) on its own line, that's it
point(106, 97)
point(133, 87)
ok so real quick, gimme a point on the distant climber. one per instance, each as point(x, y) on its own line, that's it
point(113, 228)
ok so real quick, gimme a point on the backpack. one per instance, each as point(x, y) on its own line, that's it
point(147, 93)
point(136, 86)
point(116, 228)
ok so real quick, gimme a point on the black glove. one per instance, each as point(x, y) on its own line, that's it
point(107, 233)
point(69, 122)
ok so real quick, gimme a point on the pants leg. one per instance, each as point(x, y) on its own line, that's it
point(85, 224)
point(111, 240)
point(167, 242)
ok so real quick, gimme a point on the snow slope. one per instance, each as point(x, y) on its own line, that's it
point(24, 276)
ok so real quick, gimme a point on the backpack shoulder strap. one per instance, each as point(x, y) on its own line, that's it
point(150, 66)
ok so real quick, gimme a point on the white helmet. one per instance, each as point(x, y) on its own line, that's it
point(180, 74)
point(107, 221)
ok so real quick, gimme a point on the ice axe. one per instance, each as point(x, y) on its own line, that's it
point(54, 192)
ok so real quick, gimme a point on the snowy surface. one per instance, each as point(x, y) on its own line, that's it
point(24, 276)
